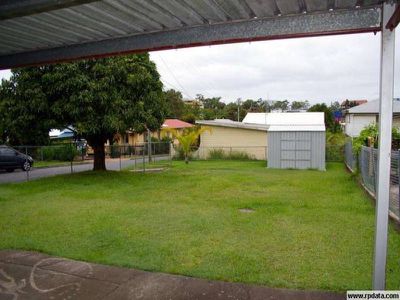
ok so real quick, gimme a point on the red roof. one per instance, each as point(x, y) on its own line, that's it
point(175, 123)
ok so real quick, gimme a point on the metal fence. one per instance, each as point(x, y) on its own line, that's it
point(350, 158)
point(367, 167)
point(75, 157)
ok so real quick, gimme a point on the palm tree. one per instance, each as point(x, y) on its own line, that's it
point(187, 138)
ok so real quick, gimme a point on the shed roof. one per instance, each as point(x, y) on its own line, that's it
point(41, 31)
point(307, 121)
point(372, 107)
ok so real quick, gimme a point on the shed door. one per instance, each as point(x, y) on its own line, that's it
point(296, 150)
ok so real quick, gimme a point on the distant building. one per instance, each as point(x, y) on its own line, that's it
point(193, 103)
point(356, 118)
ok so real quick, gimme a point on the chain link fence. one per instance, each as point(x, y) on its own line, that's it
point(367, 166)
point(76, 157)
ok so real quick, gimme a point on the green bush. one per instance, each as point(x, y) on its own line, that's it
point(239, 155)
point(216, 154)
point(334, 153)
point(179, 153)
point(61, 153)
point(232, 155)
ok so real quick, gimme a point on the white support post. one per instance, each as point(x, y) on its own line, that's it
point(384, 148)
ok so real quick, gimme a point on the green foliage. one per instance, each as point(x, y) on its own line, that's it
point(174, 103)
point(187, 138)
point(98, 97)
point(229, 155)
point(371, 132)
point(190, 118)
point(335, 143)
point(60, 153)
point(330, 122)
point(300, 105)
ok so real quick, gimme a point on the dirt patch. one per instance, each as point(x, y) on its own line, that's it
point(246, 210)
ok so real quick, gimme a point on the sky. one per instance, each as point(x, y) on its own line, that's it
point(318, 69)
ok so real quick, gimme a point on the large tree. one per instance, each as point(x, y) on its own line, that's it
point(175, 104)
point(97, 97)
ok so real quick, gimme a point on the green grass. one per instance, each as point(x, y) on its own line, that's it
point(309, 229)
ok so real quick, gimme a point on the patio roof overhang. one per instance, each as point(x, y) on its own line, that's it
point(34, 32)
point(44, 31)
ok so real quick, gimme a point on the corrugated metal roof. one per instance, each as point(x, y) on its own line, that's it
point(232, 124)
point(372, 107)
point(308, 121)
point(135, 25)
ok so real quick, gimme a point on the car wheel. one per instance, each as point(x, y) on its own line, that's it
point(26, 166)
point(9, 170)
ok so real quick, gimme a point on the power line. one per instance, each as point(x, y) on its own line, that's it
point(176, 79)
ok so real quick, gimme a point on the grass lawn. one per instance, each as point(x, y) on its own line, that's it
point(309, 229)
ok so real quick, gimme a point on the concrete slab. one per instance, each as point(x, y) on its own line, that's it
point(31, 275)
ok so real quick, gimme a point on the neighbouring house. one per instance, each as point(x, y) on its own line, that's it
point(286, 140)
point(193, 103)
point(356, 118)
point(65, 134)
point(233, 137)
point(135, 138)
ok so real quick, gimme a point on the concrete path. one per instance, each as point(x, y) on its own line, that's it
point(31, 275)
point(36, 173)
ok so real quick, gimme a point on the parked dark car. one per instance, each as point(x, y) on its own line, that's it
point(11, 159)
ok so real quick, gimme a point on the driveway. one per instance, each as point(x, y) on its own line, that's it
point(32, 275)
point(36, 173)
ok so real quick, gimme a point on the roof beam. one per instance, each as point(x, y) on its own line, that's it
point(20, 8)
point(394, 19)
point(305, 25)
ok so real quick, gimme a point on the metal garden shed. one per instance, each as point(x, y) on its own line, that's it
point(296, 141)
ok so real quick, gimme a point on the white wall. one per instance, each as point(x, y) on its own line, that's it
point(355, 123)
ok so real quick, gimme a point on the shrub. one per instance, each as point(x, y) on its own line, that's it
point(62, 152)
point(240, 155)
point(233, 155)
point(216, 154)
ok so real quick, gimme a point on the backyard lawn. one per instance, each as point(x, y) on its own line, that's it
point(302, 229)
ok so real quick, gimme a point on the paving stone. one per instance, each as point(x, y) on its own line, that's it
point(35, 276)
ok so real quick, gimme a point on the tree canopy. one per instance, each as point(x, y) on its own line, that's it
point(97, 97)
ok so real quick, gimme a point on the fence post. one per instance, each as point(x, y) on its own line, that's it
point(26, 160)
point(120, 163)
point(144, 163)
point(398, 180)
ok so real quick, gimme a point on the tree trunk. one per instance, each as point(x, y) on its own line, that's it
point(99, 163)
point(186, 159)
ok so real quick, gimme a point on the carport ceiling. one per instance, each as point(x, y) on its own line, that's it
point(41, 31)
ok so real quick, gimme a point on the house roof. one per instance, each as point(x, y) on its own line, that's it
point(232, 124)
point(38, 32)
point(303, 121)
point(372, 107)
point(175, 123)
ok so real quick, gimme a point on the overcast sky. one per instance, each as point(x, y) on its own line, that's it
point(321, 69)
